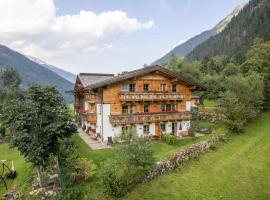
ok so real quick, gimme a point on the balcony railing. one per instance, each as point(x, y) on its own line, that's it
point(90, 117)
point(150, 96)
point(148, 118)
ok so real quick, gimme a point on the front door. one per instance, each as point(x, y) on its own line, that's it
point(174, 128)
point(158, 132)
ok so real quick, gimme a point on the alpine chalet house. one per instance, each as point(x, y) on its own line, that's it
point(149, 101)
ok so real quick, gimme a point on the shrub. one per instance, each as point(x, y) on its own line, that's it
point(71, 193)
point(128, 169)
point(2, 132)
point(114, 179)
point(168, 138)
point(74, 168)
point(85, 169)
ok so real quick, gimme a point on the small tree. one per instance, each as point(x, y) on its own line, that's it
point(242, 101)
point(122, 173)
point(41, 120)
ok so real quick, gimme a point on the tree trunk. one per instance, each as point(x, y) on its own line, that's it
point(12, 136)
point(40, 178)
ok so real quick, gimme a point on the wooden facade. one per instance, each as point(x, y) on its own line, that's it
point(148, 97)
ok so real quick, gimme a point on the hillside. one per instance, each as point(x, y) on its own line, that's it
point(32, 72)
point(239, 170)
point(252, 22)
point(65, 74)
point(186, 47)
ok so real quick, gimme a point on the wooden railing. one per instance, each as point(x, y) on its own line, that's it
point(91, 117)
point(150, 96)
point(148, 118)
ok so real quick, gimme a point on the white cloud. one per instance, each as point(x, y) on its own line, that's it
point(32, 26)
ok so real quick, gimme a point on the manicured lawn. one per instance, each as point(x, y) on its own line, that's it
point(21, 166)
point(240, 169)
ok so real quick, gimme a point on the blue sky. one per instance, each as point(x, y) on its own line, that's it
point(159, 25)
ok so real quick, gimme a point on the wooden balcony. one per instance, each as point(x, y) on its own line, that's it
point(151, 96)
point(149, 118)
point(90, 117)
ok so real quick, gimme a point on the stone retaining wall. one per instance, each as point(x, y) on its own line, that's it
point(178, 159)
point(209, 115)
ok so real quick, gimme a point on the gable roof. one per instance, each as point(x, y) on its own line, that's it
point(138, 72)
point(93, 78)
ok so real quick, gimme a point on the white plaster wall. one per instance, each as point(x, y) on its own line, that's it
point(152, 129)
point(168, 127)
point(117, 131)
point(188, 106)
point(186, 125)
point(86, 105)
point(108, 130)
point(139, 129)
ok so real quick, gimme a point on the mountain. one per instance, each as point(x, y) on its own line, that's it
point(31, 72)
point(186, 47)
point(251, 23)
point(66, 75)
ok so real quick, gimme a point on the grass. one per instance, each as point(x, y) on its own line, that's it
point(94, 188)
point(22, 167)
point(238, 170)
point(210, 103)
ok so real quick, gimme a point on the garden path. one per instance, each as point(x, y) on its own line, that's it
point(93, 144)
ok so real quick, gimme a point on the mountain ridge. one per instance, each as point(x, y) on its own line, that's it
point(33, 73)
point(183, 49)
point(239, 34)
point(61, 72)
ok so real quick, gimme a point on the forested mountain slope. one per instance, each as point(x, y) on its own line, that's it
point(186, 47)
point(32, 72)
point(252, 22)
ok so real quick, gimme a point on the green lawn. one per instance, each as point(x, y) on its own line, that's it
point(238, 170)
point(209, 103)
point(21, 166)
point(94, 188)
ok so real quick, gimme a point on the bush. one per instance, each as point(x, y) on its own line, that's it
point(3, 132)
point(73, 168)
point(85, 169)
point(71, 193)
point(168, 138)
point(114, 179)
point(128, 169)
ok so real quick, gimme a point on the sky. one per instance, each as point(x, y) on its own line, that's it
point(105, 36)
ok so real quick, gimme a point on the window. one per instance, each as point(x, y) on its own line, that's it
point(133, 109)
point(163, 87)
point(145, 87)
point(146, 129)
point(132, 87)
point(125, 87)
point(168, 107)
point(162, 108)
point(174, 107)
point(146, 108)
point(163, 127)
point(125, 109)
point(174, 88)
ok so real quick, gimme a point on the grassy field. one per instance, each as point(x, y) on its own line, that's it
point(21, 166)
point(238, 170)
point(209, 103)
